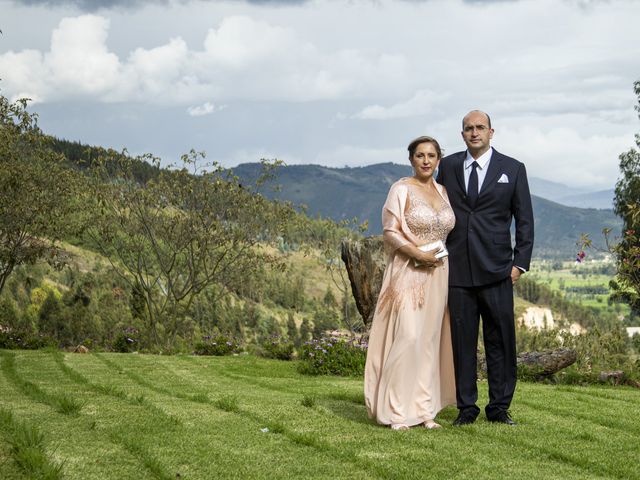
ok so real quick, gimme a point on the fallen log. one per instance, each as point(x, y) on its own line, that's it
point(536, 365)
point(542, 365)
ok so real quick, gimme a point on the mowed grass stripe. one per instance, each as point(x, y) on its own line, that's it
point(150, 462)
point(143, 382)
point(430, 449)
point(511, 446)
point(301, 438)
point(62, 403)
point(583, 407)
point(592, 415)
point(621, 394)
point(270, 380)
point(220, 402)
point(351, 398)
point(228, 403)
point(574, 467)
point(565, 439)
point(40, 366)
point(327, 437)
point(111, 390)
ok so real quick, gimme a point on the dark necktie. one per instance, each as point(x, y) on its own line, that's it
point(472, 189)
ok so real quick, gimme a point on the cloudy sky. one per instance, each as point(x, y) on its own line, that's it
point(332, 82)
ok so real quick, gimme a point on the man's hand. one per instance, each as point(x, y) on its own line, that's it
point(515, 274)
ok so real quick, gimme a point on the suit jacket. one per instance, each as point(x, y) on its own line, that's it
point(480, 249)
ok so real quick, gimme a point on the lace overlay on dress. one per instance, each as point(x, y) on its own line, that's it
point(429, 225)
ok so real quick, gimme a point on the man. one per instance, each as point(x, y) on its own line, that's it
point(486, 190)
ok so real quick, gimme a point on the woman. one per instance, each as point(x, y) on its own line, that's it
point(409, 371)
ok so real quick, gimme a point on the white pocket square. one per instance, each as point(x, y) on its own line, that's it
point(503, 178)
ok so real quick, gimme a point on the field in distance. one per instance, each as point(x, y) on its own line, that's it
point(583, 283)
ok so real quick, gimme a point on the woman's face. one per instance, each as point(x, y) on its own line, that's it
point(425, 161)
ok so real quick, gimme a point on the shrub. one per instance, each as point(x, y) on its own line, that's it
point(9, 313)
point(333, 356)
point(218, 345)
point(278, 347)
point(24, 340)
point(127, 340)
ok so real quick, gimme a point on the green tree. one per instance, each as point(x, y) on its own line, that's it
point(324, 319)
point(9, 316)
point(626, 285)
point(292, 329)
point(36, 192)
point(329, 299)
point(330, 247)
point(50, 319)
point(305, 330)
point(184, 230)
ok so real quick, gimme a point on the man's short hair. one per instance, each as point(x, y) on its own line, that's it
point(477, 111)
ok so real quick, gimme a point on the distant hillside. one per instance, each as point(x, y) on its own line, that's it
point(600, 199)
point(553, 190)
point(344, 193)
point(337, 193)
point(558, 227)
point(571, 196)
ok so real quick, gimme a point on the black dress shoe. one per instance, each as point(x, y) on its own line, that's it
point(503, 417)
point(464, 418)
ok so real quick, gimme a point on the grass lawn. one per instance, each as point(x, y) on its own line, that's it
point(121, 416)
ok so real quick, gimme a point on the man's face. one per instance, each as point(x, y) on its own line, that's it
point(476, 133)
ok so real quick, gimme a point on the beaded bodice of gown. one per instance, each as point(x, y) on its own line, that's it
point(425, 222)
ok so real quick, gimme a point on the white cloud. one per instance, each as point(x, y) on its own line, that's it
point(243, 58)
point(558, 87)
point(357, 156)
point(241, 41)
point(206, 108)
point(79, 58)
point(564, 155)
point(78, 63)
point(421, 103)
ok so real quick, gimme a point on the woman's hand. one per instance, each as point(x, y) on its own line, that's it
point(427, 259)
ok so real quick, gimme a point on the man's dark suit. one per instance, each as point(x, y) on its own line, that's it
point(480, 261)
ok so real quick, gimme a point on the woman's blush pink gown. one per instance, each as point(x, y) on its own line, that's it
point(409, 373)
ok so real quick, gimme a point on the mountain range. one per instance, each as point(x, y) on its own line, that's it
point(359, 192)
point(571, 196)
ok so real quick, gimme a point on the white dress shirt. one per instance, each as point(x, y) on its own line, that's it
point(483, 165)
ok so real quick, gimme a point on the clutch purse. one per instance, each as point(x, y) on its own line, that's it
point(439, 245)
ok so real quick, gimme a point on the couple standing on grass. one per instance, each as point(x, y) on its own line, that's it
point(423, 342)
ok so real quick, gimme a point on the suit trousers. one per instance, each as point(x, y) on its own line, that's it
point(494, 304)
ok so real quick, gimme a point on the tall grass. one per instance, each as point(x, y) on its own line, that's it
point(28, 448)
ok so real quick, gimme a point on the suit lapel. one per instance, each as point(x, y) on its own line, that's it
point(459, 170)
point(495, 167)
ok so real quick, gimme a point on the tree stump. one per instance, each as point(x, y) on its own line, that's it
point(365, 262)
